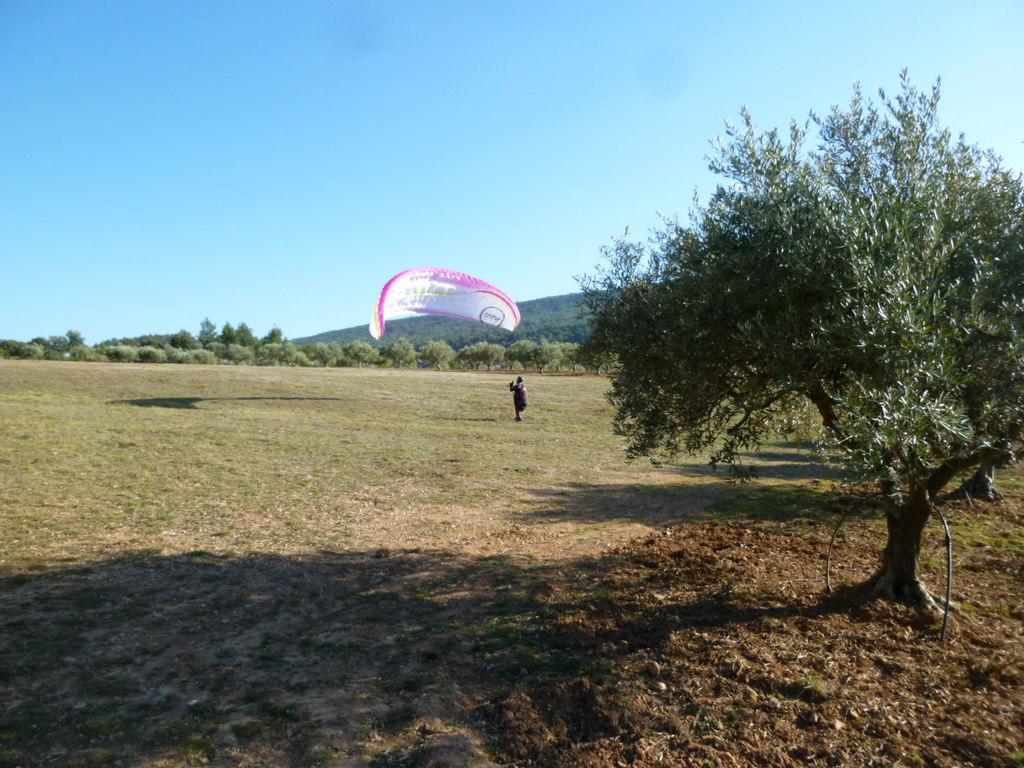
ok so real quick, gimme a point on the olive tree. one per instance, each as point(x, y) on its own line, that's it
point(436, 354)
point(520, 353)
point(401, 353)
point(482, 354)
point(358, 354)
point(878, 276)
point(547, 355)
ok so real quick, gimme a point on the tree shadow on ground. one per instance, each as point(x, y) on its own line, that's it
point(787, 461)
point(699, 500)
point(142, 658)
point(145, 658)
point(193, 402)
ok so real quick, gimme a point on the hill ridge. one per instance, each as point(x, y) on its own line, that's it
point(552, 318)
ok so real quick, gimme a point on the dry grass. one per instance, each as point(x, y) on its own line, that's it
point(102, 458)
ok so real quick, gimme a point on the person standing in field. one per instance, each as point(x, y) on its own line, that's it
point(518, 390)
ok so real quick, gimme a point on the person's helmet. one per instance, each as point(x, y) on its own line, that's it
point(518, 379)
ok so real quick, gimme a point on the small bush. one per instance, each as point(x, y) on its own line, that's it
point(121, 353)
point(152, 355)
point(200, 357)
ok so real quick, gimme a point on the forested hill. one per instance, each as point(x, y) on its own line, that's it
point(555, 319)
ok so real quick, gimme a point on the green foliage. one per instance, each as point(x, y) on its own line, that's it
point(183, 340)
point(83, 354)
point(121, 353)
point(436, 354)
point(20, 350)
point(280, 353)
point(207, 332)
point(520, 353)
point(200, 357)
point(547, 355)
point(880, 277)
point(228, 335)
point(481, 355)
point(239, 354)
point(151, 355)
point(401, 353)
point(358, 354)
point(246, 337)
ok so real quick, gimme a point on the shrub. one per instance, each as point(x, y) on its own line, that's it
point(200, 357)
point(240, 355)
point(149, 354)
point(121, 353)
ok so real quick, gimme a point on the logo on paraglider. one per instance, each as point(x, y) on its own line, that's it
point(492, 316)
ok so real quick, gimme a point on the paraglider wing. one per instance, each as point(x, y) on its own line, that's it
point(437, 291)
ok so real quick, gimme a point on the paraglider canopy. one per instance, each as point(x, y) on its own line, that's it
point(438, 291)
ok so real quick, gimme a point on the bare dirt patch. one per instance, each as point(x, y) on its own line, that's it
point(713, 644)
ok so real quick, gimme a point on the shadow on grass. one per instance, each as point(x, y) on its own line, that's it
point(193, 402)
point(144, 658)
point(297, 661)
point(300, 660)
point(700, 500)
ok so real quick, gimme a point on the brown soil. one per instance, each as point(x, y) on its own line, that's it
point(713, 644)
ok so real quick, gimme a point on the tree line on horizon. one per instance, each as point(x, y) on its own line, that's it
point(239, 345)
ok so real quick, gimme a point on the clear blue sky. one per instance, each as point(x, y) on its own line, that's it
point(274, 162)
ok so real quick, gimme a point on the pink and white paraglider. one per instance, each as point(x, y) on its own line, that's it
point(438, 291)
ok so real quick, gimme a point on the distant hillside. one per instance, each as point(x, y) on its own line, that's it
point(556, 318)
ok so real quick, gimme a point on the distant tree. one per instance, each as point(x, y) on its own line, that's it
point(200, 357)
point(148, 354)
point(275, 336)
point(228, 335)
point(207, 333)
point(83, 354)
point(239, 354)
point(245, 336)
point(54, 347)
point(547, 356)
point(401, 353)
point(521, 353)
point(570, 355)
point(121, 353)
point(880, 278)
point(358, 354)
point(151, 340)
point(218, 350)
point(595, 356)
point(481, 355)
point(436, 354)
point(283, 353)
point(320, 353)
point(21, 350)
point(183, 340)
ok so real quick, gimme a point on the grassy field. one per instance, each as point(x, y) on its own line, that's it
point(108, 458)
point(258, 566)
point(100, 459)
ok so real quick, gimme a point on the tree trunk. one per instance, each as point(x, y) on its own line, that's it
point(899, 578)
point(982, 485)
